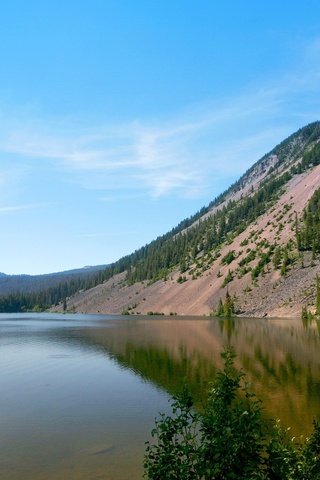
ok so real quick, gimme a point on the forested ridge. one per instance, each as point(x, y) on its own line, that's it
point(36, 283)
point(308, 236)
point(182, 245)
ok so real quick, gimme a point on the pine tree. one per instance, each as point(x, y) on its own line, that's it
point(317, 296)
point(227, 279)
point(277, 257)
point(285, 262)
point(304, 313)
point(220, 310)
point(228, 307)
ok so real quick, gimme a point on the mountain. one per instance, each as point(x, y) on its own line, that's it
point(36, 283)
point(255, 247)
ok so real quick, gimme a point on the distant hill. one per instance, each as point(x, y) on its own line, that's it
point(256, 246)
point(36, 283)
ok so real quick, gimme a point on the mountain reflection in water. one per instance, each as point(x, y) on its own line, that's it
point(280, 357)
point(79, 393)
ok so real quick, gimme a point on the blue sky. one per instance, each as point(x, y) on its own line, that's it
point(120, 118)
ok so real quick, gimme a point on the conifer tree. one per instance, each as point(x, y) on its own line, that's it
point(277, 257)
point(317, 296)
point(285, 262)
point(220, 310)
point(228, 307)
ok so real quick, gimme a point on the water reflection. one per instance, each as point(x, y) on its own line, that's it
point(67, 410)
point(310, 322)
point(78, 396)
point(281, 358)
point(227, 325)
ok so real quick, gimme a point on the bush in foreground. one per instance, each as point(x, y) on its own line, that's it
point(229, 440)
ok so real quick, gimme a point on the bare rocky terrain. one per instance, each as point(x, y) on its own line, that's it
point(272, 294)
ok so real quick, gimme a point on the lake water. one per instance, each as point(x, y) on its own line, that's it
point(79, 393)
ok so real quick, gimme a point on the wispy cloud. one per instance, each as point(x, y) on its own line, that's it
point(175, 156)
point(115, 196)
point(16, 208)
point(184, 154)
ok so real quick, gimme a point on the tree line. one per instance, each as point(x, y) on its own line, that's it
point(194, 236)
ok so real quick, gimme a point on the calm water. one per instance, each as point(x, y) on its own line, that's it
point(79, 393)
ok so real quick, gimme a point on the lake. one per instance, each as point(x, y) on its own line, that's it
point(79, 393)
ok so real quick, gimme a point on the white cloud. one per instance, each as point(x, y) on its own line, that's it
point(120, 195)
point(16, 208)
point(185, 154)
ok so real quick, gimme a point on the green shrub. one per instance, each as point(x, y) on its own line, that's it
point(181, 279)
point(228, 258)
point(227, 279)
point(228, 440)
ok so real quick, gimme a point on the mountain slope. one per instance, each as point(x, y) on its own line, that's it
point(249, 242)
point(233, 245)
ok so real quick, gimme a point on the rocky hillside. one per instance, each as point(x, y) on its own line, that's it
point(255, 243)
point(254, 248)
